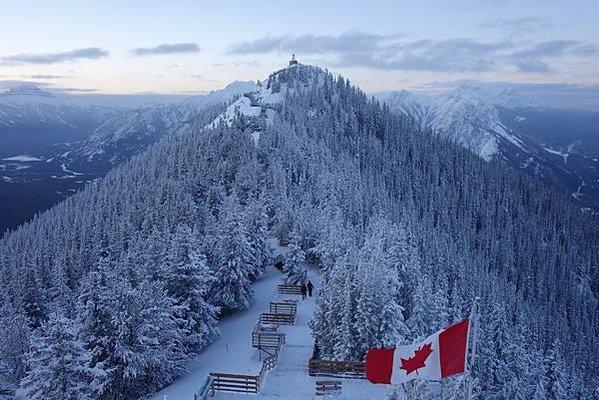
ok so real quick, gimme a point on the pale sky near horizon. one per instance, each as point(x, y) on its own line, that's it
point(195, 46)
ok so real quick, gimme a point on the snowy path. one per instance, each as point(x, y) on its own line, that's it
point(290, 379)
point(233, 352)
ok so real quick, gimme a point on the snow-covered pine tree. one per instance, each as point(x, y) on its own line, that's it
point(147, 350)
point(344, 330)
point(379, 319)
point(32, 297)
point(540, 391)
point(232, 290)
point(188, 280)
point(7, 388)
point(294, 269)
point(59, 364)
point(554, 377)
point(14, 341)
point(258, 238)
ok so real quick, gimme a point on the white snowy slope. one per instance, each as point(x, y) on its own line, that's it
point(406, 102)
point(261, 102)
point(509, 98)
point(466, 115)
point(129, 132)
point(493, 126)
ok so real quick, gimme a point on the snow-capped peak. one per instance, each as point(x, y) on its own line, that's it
point(233, 89)
point(27, 94)
point(467, 115)
point(26, 90)
point(509, 98)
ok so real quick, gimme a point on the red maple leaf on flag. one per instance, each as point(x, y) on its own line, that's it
point(417, 361)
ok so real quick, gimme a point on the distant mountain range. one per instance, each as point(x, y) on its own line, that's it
point(559, 146)
point(51, 145)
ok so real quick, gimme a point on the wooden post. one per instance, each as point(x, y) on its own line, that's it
point(472, 339)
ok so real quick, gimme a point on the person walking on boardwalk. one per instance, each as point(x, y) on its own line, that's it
point(310, 287)
point(304, 290)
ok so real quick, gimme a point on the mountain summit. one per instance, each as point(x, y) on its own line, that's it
point(24, 90)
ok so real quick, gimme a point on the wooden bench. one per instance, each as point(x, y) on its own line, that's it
point(338, 369)
point(279, 319)
point(283, 308)
point(234, 383)
point(290, 289)
point(328, 388)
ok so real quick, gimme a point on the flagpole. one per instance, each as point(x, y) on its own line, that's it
point(470, 363)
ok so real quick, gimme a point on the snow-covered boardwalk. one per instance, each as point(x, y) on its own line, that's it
point(233, 353)
point(290, 379)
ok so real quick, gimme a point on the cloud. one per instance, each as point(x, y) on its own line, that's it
point(392, 52)
point(74, 90)
point(312, 44)
point(90, 53)
point(518, 25)
point(44, 77)
point(193, 76)
point(359, 49)
point(166, 49)
point(557, 48)
point(534, 58)
point(533, 66)
point(451, 55)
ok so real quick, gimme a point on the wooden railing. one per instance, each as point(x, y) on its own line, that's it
point(327, 388)
point(278, 319)
point(266, 340)
point(283, 308)
point(246, 383)
point(340, 369)
point(234, 383)
point(206, 390)
point(290, 289)
point(271, 361)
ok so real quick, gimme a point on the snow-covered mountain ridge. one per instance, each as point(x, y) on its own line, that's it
point(129, 132)
point(492, 125)
point(467, 115)
point(28, 104)
point(262, 99)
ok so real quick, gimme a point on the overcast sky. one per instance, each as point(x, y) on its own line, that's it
point(548, 48)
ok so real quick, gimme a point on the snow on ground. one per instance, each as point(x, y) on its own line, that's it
point(233, 352)
point(558, 153)
point(22, 158)
point(578, 192)
point(256, 137)
point(68, 171)
point(290, 379)
point(243, 105)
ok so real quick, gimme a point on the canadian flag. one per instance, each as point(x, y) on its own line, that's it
point(439, 356)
